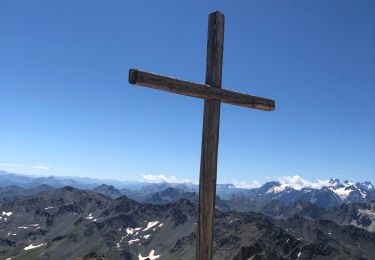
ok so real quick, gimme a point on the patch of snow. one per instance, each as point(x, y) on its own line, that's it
point(151, 256)
point(297, 183)
point(23, 227)
point(7, 213)
point(130, 231)
point(150, 225)
point(370, 212)
point(118, 244)
point(94, 220)
point(132, 241)
point(342, 192)
point(9, 258)
point(146, 236)
point(299, 254)
point(32, 247)
point(277, 189)
point(161, 224)
point(34, 225)
point(50, 208)
point(363, 194)
point(90, 216)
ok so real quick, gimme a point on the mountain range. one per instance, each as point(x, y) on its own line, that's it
point(43, 218)
point(70, 223)
point(330, 193)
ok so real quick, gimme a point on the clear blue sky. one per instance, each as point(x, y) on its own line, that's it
point(66, 107)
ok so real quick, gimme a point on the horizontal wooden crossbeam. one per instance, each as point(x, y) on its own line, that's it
point(147, 79)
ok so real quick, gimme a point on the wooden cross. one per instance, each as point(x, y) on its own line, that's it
point(213, 95)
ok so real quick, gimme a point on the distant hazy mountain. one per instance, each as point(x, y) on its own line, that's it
point(332, 193)
point(276, 208)
point(108, 190)
point(9, 179)
point(171, 195)
point(29, 181)
point(15, 191)
point(69, 223)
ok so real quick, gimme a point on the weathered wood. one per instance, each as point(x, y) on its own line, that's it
point(205, 91)
point(213, 94)
point(210, 139)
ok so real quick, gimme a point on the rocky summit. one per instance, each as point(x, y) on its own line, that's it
point(70, 223)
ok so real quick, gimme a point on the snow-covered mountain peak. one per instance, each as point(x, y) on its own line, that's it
point(334, 183)
point(343, 190)
point(348, 183)
point(347, 187)
point(365, 185)
point(298, 183)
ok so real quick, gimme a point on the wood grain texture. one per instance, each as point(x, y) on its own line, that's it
point(213, 95)
point(210, 139)
point(204, 91)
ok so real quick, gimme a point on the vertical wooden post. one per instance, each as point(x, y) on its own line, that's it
point(210, 139)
